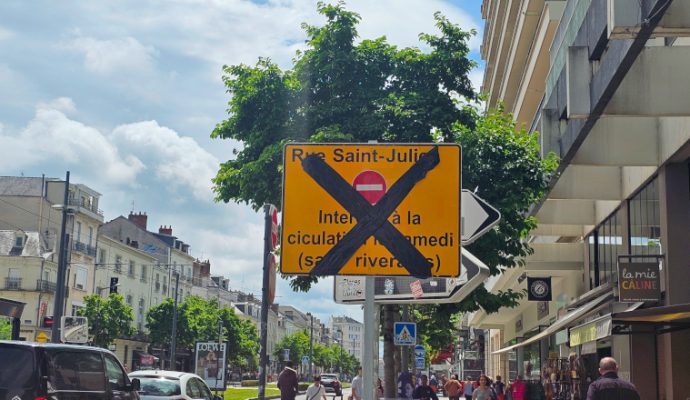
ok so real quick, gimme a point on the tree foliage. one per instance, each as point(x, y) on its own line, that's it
point(330, 358)
point(5, 329)
point(109, 318)
point(198, 319)
point(340, 90)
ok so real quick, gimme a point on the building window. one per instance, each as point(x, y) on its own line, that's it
point(80, 277)
point(645, 227)
point(129, 299)
point(131, 268)
point(118, 264)
point(77, 234)
point(101, 257)
point(90, 236)
point(75, 310)
point(144, 272)
point(605, 243)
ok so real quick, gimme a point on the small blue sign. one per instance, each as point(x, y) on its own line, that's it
point(419, 351)
point(419, 363)
point(305, 360)
point(405, 333)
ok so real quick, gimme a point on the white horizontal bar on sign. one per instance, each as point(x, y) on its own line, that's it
point(364, 187)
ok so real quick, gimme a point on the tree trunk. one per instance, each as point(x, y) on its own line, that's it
point(390, 390)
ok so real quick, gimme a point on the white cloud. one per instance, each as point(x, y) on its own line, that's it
point(114, 56)
point(178, 161)
point(51, 137)
point(63, 104)
point(5, 34)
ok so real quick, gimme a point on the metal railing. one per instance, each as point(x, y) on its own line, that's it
point(13, 283)
point(79, 203)
point(45, 286)
point(84, 248)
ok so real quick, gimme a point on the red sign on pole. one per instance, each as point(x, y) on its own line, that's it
point(371, 185)
point(274, 228)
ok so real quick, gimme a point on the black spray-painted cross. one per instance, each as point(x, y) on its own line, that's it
point(371, 220)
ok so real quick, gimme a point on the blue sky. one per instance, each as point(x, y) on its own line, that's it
point(125, 94)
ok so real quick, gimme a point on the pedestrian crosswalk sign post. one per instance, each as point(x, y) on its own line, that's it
point(419, 363)
point(405, 333)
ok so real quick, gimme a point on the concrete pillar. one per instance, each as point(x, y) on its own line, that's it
point(674, 202)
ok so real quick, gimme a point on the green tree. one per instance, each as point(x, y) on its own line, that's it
point(109, 318)
point(198, 319)
point(297, 343)
point(5, 329)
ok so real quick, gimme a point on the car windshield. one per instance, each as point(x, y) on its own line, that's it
point(158, 386)
point(16, 367)
point(332, 377)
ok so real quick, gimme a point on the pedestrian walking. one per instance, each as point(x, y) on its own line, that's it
point(609, 385)
point(358, 386)
point(483, 391)
point(499, 387)
point(288, 382)
point(518, 389)
point(454, 388)
point(315, 391)
point(469, 388)
point(424, 391)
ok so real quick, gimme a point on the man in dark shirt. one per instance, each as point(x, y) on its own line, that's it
point(609, 385)
point(424, 391)
point(288, 382)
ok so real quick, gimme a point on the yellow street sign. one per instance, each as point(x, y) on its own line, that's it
point(371, 209)
point(42, 337)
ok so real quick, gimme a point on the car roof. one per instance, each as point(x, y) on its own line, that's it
point(333, 375)
point(159, 373)
point(20, 343)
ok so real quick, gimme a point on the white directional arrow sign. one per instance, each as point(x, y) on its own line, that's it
point(477, 216)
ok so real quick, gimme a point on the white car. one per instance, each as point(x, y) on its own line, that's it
point(173, 385)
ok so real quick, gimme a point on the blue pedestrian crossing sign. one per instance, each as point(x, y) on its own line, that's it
point(305, 360)
point(405, 333)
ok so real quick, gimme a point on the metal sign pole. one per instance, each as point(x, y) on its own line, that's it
point(370, 329)
point(263, 357)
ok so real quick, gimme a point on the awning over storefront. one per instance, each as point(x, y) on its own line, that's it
point(561, 323)
point(663, 319)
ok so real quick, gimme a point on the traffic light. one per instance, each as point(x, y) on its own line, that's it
point(113, 284)
point(47, 322)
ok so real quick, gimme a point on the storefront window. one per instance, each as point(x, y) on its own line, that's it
point(605, 243)
point(645, 229)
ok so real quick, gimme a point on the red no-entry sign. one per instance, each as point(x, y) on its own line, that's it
point(371, 185)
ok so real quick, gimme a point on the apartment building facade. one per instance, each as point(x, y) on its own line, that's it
point(31, 207)
point(350, 334)
point(604, 85)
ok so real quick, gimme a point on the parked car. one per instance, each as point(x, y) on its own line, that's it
point(159, 385)
point(61, 371)
point(331, 383)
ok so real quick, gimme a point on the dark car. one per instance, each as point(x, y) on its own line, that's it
point(62, 372)
point(331, 383)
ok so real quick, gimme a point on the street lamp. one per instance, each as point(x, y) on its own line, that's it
point(59, 300)
point(340, 360)
point(311, 340)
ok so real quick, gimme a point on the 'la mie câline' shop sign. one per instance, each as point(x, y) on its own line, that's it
point(638, 281)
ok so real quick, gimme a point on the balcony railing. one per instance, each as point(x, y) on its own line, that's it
point(92, 208)
point(84, 248)
point(45, 286)
point(13, 283)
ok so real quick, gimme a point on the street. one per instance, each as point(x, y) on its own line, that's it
point(346, 392)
